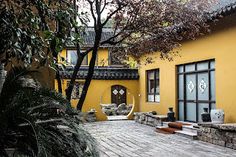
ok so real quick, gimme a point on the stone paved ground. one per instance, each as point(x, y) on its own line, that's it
point(130, 139)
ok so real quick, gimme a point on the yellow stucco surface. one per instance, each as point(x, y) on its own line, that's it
point(99, 88)
point(219, 45)
point(102, 57)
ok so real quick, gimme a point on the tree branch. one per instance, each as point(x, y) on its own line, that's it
point(113, 13)
point(92, 12)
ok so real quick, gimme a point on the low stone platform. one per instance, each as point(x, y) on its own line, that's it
point(149, 118)
point(219, 134)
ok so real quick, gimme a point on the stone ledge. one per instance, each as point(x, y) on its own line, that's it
point(157, 116)
point(218, 134)
point(150, 119)
point(226, 127)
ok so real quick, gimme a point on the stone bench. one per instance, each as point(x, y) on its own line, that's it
point(148, 118)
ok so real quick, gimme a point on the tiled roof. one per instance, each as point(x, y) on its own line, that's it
point(103, 73)
point(224, 10)
point(88, 37)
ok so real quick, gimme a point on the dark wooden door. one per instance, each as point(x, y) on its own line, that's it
point(118, 94)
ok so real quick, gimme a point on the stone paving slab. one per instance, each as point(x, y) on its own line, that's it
point(130, 139)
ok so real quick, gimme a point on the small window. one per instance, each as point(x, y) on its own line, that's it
point(77, 90)
point(72, 58)
point(153, 86)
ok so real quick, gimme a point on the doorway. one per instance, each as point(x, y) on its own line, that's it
point(118, 94)
point(196, 89)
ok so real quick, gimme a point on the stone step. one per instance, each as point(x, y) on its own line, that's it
point(188, 131)
point(190, 128)
point(187, 134)
point(195, 125)
point(160, 127)
point(116, 118)
point(165, 124)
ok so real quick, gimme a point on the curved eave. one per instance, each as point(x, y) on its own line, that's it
point(225, 11)
point(104, 74)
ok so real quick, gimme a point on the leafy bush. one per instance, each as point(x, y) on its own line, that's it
point(39, 122)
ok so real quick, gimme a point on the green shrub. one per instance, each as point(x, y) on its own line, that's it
point(39, 122)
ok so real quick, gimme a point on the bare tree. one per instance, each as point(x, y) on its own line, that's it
point(140, 27)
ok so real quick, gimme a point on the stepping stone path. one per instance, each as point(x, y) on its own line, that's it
point(129, 139)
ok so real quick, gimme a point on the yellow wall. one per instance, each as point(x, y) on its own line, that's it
point(97, 89)
point(221, 46)
point(100, 90)
point(102, 58)
point(62, 54)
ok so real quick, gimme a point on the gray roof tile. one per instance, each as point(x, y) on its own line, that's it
point(103, 73)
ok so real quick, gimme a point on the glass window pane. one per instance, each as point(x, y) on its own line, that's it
point(157, 98)
point(157, 87)
point(189, 67)
point(151, 82)
point(200, 110)
point(181, 111)
point(181, 87)
point(212, 65)
point(72, 57)
point(191, 112)
point(202, 66)
point(150, 98)
point(191, 87)
point(213, 106)
point(157, 74)
point(180, 68)
point(213, 96)
point(203, 86)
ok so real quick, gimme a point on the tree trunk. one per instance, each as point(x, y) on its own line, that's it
point(2, 76)
point(98, 33)
point(78, 63)
point(73, 78)
point(88, 80)
point(91, 69)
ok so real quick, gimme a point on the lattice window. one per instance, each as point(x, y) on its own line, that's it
point(77, 90)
